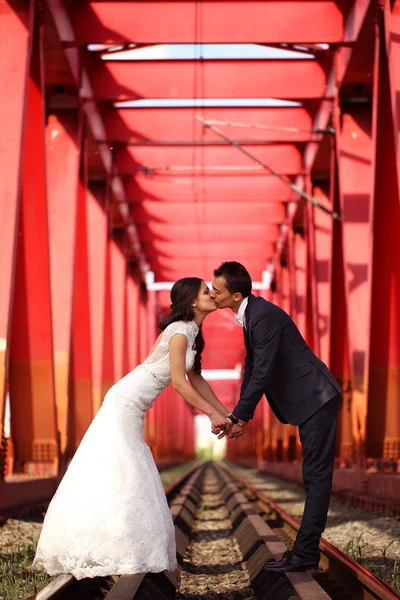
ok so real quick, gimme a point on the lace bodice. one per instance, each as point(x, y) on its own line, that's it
point(158, 361)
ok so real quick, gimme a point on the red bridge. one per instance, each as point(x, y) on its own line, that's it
point(144, 141)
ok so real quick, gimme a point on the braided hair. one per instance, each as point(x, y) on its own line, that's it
point(183, 293)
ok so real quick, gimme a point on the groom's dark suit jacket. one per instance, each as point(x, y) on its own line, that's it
point(280, 365)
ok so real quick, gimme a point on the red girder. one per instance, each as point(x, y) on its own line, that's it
point(143, 125)
point(207, 22)
point(192, 250)
point(190, 233)
point(284, 158)
point(234, 188)
point(216, 212)
point(122, 80)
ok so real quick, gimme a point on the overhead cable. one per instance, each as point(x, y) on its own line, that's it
point(294, 187)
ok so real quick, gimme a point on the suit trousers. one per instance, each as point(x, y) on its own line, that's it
point(317, 435)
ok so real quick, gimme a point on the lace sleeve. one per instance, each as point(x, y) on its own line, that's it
point(174, 328)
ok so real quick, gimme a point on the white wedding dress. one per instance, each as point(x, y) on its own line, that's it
point(110, 515)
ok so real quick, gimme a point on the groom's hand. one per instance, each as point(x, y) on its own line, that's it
point(237, 430)
point(222, 428)
point(234, 431)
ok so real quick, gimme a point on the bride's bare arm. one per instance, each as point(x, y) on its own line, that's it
point(177, 359)
point(205, 390)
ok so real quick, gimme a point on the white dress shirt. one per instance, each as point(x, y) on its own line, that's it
point(240, 317)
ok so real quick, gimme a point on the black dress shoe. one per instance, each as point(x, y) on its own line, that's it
point(284, 555)
point(290, 563)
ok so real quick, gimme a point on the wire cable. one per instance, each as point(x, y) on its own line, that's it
point(294, 187)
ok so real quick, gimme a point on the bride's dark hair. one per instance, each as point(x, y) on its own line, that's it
point(183, 293)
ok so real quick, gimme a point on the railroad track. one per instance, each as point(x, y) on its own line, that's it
point(226, 530)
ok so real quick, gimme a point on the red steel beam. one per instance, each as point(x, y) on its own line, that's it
point(127, 80)
point(300, 281)
point(81, 401)
point(176, 212)
point(221, 22)
point(63, 157)
point(32, 394)
point(118, 271)
point(339, 362)
point(64, 28)
point(97, 253)
point(231, 189)
point(175, 252)
point(353, 24)
point(383, 415)
point(108, 371)
point(355, 156)
point(322, 231)
point(16, 24)
point(180, 124)
point(391, 26)
point(168, 273)
point(132, 322)
point(190, 233)
point(283, 158)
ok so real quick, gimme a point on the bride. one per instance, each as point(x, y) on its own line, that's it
point(110, 515)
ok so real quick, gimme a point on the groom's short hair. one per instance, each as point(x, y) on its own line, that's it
point(236, 276)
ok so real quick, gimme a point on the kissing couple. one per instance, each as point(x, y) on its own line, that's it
point(109, 515)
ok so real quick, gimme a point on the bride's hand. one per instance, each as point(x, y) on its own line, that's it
point(219, 423)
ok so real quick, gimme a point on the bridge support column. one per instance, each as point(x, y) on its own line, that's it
point(81, 395)
point(354, 142)
point(118, 278)
point(323, 226)
point(63, 144)
point(97, 255)
point(300, 265)
point(32, 396)
point(339, 362)
point(132, 321)
point(383, 423)
point(15, 49)
point(108, 377)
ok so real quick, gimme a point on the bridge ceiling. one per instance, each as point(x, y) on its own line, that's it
point(150, 70)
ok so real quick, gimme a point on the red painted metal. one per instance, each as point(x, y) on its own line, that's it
point(97, 254)
point(209, 22)
point(118, 269)
point(355, 156)
point(187, 202)
point(63, 147)
point(322, 232)
point(284, 158)
point(16, 25)
point(220, 187)
point(383, 418)
point(144, 125)
point(124, 80)
point(108, 367)
point(80, 412)
point(32, 394)
point(391, 32)
point(132, 322)
point(64, 29)
point(209, 213)
point(214, 233)
point(300, 281)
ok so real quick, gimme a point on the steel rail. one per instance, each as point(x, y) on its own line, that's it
point(370, 582)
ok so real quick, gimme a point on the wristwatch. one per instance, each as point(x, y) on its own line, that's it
point(232, 417)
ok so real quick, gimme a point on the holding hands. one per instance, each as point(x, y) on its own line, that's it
point(222, 426)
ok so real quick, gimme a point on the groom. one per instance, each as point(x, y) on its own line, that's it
point(300, 390)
